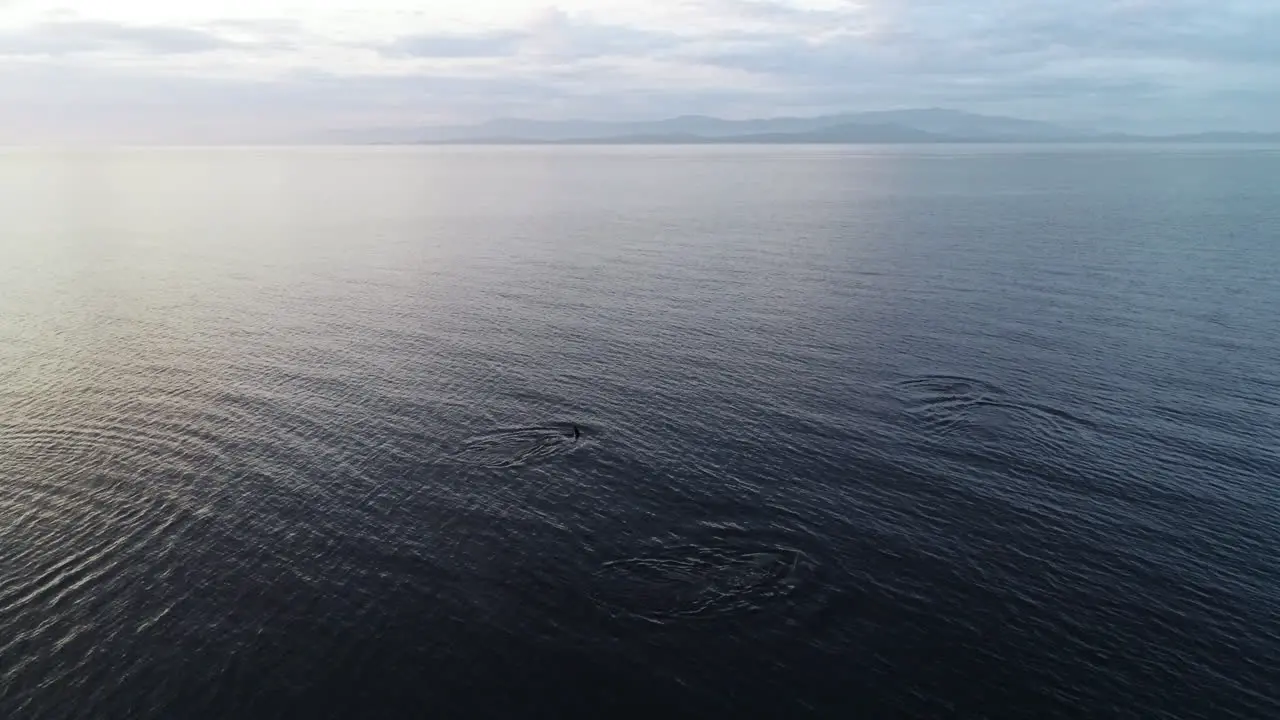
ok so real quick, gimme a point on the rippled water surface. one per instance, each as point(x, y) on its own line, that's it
point(759, 432)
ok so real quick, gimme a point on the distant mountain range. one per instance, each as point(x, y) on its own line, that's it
point(932, 125)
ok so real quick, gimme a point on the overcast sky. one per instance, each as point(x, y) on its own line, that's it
point(172, 70)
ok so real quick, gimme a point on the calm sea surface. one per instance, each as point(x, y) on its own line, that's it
point(757, 432)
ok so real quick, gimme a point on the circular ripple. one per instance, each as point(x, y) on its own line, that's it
point(516, 447)
point(701, 582)
point(977, 413)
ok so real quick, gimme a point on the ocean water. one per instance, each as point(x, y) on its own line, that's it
point(977, 432)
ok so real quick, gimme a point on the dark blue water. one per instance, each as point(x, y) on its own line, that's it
point(767, 432)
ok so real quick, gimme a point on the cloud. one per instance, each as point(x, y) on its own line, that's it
point(774, 15)
point(72, 37)
point(1082, 60)
point(1150, 65)
point(1004, 37)
point(493, 44)
point(556, 33)
point(550, 34)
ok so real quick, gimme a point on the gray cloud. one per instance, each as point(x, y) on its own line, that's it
point(1225, 32)
point(72, 37)
point(774, 13)
point(1088, 60)
point(1003, 36)
point(1147, 65)
point(277, 27)
point(497, 44)
point(553, 35)
point(262, 34)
